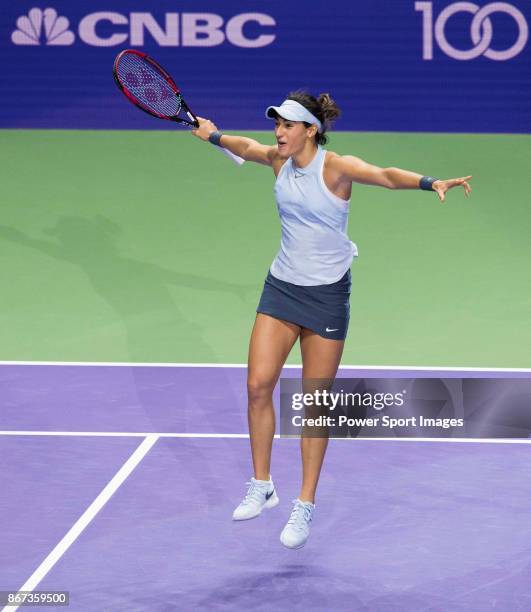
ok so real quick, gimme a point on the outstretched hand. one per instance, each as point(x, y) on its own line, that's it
point(206, 127)
point(441, 187)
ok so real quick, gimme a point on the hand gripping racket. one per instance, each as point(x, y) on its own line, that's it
point(147, 85)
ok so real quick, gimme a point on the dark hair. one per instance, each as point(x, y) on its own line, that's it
point(323, 107)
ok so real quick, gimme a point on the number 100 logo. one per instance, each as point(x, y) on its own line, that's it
point(481, 30)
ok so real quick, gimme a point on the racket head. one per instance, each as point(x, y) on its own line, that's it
point(148, 86)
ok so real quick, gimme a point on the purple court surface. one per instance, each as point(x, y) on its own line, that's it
point(118, 485)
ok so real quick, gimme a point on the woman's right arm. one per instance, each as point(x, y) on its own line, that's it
point(246, 148)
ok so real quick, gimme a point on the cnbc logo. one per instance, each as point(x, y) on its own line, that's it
point(42, 27)
point(109, 29)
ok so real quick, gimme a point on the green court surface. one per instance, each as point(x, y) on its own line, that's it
point(153, 247)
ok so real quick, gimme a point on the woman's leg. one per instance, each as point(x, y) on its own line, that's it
point(271, 342)
point(320, 360)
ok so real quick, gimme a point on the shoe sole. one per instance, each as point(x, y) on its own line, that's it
point(293, 547)
point(270, 503)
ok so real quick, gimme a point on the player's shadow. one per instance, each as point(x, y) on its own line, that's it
point(293, 586)
point(144, 296)
point(137, 291)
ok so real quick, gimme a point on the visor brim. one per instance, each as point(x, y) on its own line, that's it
point(285, 113)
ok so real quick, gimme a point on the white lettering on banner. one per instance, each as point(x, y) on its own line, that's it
point(197, 29)
point(235, 30)
point(202, 23)
point(480, 23)
point(87, 29)
point(145, 21)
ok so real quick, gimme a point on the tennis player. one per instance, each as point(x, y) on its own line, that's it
point(306, 292)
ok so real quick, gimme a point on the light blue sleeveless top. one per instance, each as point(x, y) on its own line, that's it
point(314, 246)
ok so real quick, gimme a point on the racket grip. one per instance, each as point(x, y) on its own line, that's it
point(235, 158)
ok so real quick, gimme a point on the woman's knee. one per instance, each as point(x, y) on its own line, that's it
point(259, 390)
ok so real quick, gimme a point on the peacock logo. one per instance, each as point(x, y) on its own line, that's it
point(42, 27)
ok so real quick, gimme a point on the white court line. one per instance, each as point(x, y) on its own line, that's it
point(121, 434)
point(87, 517)
point(244, 365)
point(135, 434)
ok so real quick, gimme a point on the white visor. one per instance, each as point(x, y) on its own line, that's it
point(293, 111)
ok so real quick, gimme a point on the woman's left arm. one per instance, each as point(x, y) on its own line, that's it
point(356, 170)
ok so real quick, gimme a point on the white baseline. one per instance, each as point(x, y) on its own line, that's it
point(137, 434)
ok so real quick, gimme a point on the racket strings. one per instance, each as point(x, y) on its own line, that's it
point(148, 85)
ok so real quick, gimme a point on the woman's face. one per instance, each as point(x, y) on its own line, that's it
point(291, 136)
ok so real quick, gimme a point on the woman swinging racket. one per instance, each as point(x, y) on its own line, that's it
point(306, 292)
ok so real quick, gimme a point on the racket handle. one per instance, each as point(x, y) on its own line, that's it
point(235, 158)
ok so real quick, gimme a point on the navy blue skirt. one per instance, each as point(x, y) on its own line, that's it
point(324, 309)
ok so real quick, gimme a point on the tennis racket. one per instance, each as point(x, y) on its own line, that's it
point(149, 87)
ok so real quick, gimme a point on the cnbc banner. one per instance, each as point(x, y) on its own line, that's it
point(401, 65)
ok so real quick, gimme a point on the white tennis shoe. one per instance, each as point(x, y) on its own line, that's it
point(297, 529)
point(260, 494)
